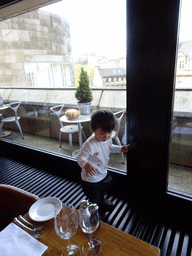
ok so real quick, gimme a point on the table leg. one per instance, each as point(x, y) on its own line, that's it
point(80, 135)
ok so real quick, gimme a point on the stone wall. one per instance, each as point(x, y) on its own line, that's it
point(114, 98)
point(183, 101)
point(31, 37)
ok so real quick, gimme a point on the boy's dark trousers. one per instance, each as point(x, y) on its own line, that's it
point(95, 191)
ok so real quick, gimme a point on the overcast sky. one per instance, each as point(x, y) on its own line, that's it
point(96, 26)
point(186, 20)
point(100, 26)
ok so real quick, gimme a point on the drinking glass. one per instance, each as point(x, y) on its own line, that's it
point(89, 222)
point(66, 225)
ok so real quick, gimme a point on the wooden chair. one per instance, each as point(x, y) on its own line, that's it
point(13, 201)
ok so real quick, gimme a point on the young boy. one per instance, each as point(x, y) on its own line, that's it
point(93, 158)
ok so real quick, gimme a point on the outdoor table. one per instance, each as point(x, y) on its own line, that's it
point(78, 121)
point(114, 242)
point(3, 134)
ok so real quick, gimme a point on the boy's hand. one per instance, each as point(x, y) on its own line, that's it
point(90, 170)
point(125, 148)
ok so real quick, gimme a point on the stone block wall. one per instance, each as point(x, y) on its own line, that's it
point(31, 37)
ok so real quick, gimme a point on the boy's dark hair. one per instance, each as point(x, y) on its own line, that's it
point(103, 119)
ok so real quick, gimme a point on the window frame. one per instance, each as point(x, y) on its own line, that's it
point(152, 32)
point(152, 41)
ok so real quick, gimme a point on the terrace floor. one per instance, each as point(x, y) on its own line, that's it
point(51, 144)
point(179, 179)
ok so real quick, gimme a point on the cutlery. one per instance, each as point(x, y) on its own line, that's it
point(28, 223)
point(33, 232)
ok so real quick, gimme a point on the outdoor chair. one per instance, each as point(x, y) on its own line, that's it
point(116, 133)
point(13, 202)
point(14, 106)
point(68, 129)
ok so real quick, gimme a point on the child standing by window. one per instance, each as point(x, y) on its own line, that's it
point(94, 157)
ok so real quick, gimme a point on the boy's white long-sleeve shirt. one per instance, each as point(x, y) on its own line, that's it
point(96, 152)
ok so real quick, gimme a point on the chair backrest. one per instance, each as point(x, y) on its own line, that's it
point(58, 112)
point(13, 201)
point(14, 106)
point(118, 120)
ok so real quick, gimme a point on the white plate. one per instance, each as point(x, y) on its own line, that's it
point(44, 209)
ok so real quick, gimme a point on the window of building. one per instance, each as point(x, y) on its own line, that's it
point(49, 74)
point(182, 64)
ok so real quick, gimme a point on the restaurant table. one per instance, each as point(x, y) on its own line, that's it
point(114, 242)
point(3, 134)
point(78, 121)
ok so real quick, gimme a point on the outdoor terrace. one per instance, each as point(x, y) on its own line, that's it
point(41, 127)
point(51, 144)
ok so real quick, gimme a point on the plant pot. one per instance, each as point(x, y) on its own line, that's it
point(84, 108)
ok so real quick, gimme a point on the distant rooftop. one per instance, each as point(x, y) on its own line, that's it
point(186, 47)
point(112, 72)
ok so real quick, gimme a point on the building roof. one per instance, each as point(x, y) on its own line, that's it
point(186, 47)
point(112, 72)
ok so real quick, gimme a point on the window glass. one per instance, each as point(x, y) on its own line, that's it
point(41, 56)
point(49, 74)
point(180, 172)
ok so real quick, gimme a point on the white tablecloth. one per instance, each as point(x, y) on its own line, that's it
point(16, 242)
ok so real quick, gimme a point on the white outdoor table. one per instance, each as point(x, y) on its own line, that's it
point(3, 134)
point(3, 107)
point(78, 121)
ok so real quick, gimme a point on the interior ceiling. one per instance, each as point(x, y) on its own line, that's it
point(5, 3)
point(12, 8)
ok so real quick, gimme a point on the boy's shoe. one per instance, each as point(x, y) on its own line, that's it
point(102, 215)
point(106, 205)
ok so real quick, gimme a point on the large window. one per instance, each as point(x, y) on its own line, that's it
point(41, 58)
point(180, 173)
point(49, 74)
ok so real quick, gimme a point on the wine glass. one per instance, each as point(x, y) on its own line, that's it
point(66, 225)
point(89, 222)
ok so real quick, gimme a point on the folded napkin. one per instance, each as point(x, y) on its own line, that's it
point(15, 241)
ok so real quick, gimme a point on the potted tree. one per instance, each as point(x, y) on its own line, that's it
point(84, 93)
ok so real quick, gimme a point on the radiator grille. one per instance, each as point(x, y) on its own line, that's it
point(170, 240)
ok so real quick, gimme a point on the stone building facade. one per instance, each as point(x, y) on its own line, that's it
point(109, 77)
point(184, 65)
point(36, 36)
